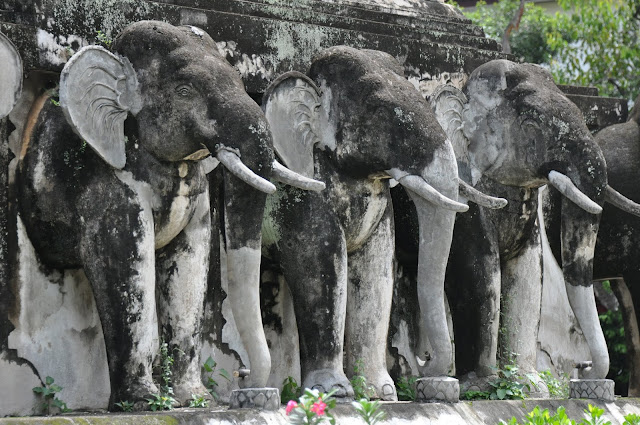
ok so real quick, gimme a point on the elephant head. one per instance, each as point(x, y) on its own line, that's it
point(356, 118)
point(11, 79)
point(151, 111)
point(514, 126)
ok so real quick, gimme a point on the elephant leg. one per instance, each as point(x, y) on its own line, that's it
point(522, 286)
point(117, 249)
point(631, 332)
point(474, 280)
point(314, 261)
point(181, 277)
point(369, 295)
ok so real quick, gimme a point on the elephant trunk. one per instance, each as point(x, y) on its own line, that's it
point(579, 229)
point(248, 158)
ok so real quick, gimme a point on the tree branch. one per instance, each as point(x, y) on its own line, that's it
point(513, 25)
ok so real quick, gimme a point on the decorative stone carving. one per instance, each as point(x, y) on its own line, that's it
point(255, 398)
point(438, 389)
point(599, 389)
point(131, 206)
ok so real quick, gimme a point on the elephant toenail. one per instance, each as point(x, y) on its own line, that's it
point(387, 389)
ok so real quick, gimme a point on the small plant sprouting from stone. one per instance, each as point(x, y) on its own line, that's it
point(49, 391)
point(369, 411)
point(290, 390)
point(312, 408)
point(475, 395)
point(125, 406)
point(542, 417)
point(558, 387)
point(361, 389)
point(104, 39)
point(209, 367)
point(164, 400)
point(160, 402)
point(199, 400)
point(406, 388)
point(631, 419)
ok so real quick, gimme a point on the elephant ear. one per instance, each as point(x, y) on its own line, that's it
point(448, 103)
point(10, 77)
point(292, 107)
point(97, 90)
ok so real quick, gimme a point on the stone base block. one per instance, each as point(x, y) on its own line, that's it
point(255, 398)
point(599, 389)
point(438, 389)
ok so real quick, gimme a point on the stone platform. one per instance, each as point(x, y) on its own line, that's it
point(463, 413)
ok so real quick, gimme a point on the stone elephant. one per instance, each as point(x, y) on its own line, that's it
point(355, 122)
point(513, 131)
point(618, 244)
point(119, 188)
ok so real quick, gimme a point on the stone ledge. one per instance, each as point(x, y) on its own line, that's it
point(405, 413)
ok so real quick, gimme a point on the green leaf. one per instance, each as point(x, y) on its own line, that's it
point(48, 380)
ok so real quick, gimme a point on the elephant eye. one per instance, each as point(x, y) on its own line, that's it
point(183, 90)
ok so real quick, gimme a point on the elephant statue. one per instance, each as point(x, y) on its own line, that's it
point(11, 79)
point(513, 131)
point(618, 243)
point(114, 180)
point(355, 122)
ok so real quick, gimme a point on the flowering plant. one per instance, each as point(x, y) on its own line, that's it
point(312, 408)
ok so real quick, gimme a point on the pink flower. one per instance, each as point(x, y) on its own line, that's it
point(291, 405)
point(318, 407)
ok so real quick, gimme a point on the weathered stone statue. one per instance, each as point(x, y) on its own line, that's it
point(354, 123)
point(119, 188)
point(10, 90)
point(618, 243)
point(514, 127)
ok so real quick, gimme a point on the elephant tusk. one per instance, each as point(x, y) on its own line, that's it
point(484, 200)
point(617, 199)
point(423, 189)
point(568, 189)
point(233, 163)
point(421, 362)
point(285, 175)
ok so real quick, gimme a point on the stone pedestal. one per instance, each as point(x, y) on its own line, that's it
point(255, 398)
point(438, 389)
point(599, 389)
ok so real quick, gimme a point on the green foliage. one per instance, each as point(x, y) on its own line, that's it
point(160, 402)
point(543, 417)
point(406, 388)
point(508, 385)
point(594, 43)
point(631, 419)
point(164, 400)
point(597, 44)
point(613, 329)
point(290, 390)
point(199, 400)
point(528, 42)
point(369, 411)
point(312, 408)
point(48, 392)
point(104, 39)
point(361, 389)
point(558, 387)
point(209, 367)
point(125, 406)
point(475, 395)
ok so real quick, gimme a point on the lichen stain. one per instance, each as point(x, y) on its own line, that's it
point(291, 45)
point(108, 16)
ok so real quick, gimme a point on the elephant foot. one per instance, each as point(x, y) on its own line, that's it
point(325, 380)
point(473, 382)
point(184, 392)
point(384, 387)
point(138, 394)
